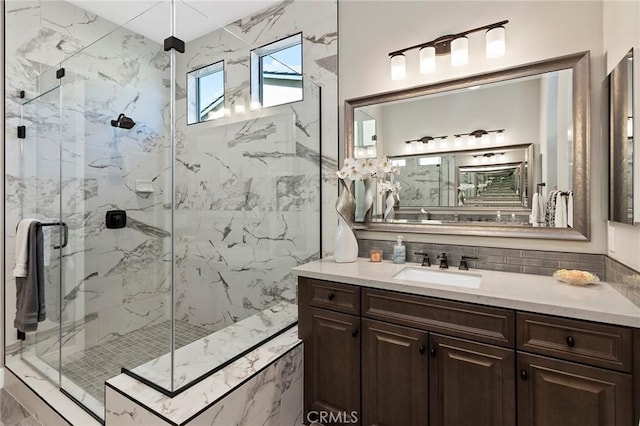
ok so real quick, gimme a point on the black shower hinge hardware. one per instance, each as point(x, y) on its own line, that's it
point(60, 73)
point(173, 43)
point(21, 94)
point(22, 132)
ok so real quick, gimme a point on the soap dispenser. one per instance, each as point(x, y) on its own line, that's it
point(399, 251)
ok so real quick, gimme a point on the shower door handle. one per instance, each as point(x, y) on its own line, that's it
point(65, 236)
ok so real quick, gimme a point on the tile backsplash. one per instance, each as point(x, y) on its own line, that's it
point(623, 279)
point(498, 259)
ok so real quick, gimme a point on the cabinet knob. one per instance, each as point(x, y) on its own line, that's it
point(524, 375)
point(354, 332)
point(432, 351)
point(331, 295)
point(422, 348)
point(571, 342)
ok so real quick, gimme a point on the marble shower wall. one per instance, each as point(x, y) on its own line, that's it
point(114, 281)
point(248, 199)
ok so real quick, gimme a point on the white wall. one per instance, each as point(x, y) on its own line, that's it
point(621, 22)
point(486, 108)
point(537, 30)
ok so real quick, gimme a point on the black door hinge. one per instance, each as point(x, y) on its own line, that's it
point(22, 132)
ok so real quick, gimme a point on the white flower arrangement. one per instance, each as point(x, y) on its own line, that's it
point(386, 186)
point(465, 186)
point(361, 169)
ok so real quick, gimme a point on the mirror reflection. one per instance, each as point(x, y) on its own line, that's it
point(495, 152)
point(621, 141)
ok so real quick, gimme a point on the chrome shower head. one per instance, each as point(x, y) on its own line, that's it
point(123, 122)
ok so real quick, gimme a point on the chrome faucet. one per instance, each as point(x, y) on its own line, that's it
point(463, 262)
point(425, 258)
point(443, 261)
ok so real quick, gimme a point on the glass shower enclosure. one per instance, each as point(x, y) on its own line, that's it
point(217, 212)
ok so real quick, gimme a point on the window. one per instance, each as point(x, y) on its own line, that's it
point(205, 93)
point(276, 72)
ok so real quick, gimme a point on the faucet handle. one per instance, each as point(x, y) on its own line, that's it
point(443, 260)
point(463, 262)
point(425, 258)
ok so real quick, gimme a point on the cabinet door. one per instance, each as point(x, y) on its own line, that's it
point(552, 392)
point(470, 383)
point(332, 368)
point(394, 375)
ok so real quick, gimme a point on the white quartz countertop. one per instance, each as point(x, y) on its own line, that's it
point(534, 293)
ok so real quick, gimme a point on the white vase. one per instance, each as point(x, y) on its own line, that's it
point(389, 203)
point(345, 247)
point(368, 199)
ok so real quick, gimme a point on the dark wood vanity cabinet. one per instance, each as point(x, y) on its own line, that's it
point(395, 368)
point(400, 359)
point(470, 383)
point(554, 392)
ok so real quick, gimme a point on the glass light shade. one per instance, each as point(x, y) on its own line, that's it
point(485, 138)
point(427, 59)
point(459, 51)
point(471, 140)
point(500, 137)
point(415, 146)
point(629, 127)
point(398, 68)
point(458, 140)
point(495, 40)
point(408, 148)
point(443, 142)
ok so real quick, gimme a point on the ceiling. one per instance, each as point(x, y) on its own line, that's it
point(194, 18)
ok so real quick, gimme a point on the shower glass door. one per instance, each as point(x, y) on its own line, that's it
point(38, 192)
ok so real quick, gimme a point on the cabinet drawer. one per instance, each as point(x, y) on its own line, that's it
point(329, 295)
point(479, 323)
point(590, 343)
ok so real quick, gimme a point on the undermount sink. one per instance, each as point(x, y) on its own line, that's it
point(429, 276)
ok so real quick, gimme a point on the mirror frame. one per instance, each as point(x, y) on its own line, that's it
point(619, 204)
point(579, 63)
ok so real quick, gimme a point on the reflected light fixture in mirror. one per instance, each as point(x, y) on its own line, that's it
point(455, 44)
point(460, 52)
point(398, 68)
point(496, 44)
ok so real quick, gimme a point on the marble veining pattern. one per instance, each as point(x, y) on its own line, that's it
point(186, 404)
point(207, 353)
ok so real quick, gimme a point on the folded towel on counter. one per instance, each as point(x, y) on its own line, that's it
point(30, 302)
point(22, 245)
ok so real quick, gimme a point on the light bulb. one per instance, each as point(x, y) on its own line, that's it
point(415, 146)
point(459, 51)
point(427, 59)
point(398, 69)
point(443, 142)
point(485, 138)
point(500, 137)
point(471, 140)
point(458, 140)
point(495, 41)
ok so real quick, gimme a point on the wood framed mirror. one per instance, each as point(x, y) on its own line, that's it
point(544, 105)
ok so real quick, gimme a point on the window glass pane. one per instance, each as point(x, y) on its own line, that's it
point(211, 96)
point(282, 76)
point(205, 93)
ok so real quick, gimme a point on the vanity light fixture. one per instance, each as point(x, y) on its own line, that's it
point(455, 44)
point(417, 145)
point(481, 134)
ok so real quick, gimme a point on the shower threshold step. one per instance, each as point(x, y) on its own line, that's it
point(264, 382)
point(204, 356)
